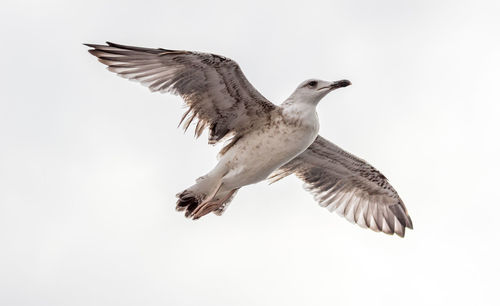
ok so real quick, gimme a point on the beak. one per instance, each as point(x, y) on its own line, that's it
point(338, 84)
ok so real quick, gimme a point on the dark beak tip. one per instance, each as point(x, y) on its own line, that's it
point(344, 83)
point(341, 83)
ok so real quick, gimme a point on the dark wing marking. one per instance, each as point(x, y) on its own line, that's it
point(213, 87)
point(350, 186)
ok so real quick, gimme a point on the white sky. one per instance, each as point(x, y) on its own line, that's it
point(90, 163)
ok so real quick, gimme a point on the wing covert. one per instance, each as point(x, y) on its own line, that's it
point(350, 186)
point(214, 88)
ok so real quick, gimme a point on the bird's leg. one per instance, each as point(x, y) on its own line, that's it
point(224, 203)
point(207, 200)
point(210, 206)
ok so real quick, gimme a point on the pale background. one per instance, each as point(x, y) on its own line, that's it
point(90, 163)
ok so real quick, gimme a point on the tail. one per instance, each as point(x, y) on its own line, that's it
point(191, 198)
point(187, 201)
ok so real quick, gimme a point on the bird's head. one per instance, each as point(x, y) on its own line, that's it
point(312, 91)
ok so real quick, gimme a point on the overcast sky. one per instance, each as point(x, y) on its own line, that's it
point(90, 163)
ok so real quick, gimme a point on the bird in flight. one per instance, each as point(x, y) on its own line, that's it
point(262, 140)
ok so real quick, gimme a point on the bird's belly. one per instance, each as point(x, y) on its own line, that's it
point(258, 154)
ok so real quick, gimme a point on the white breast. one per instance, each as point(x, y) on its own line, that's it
point(262, 151)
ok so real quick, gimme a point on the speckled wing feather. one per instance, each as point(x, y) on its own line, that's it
point(213, 87)
point(350, 186)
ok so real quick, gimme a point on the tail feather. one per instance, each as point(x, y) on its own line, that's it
point(191, 198)
point(187, 201)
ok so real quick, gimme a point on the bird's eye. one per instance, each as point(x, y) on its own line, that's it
point(312, 84)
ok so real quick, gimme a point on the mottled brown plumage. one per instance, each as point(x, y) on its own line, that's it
point(265, 137)
point(350, 186)
point(214, 88)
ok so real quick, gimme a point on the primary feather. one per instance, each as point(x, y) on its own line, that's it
point(266, 137)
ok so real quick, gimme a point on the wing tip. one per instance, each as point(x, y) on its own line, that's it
point(95, 46)
point(400, 234)
point(94, 49)
point(409, 224)
point(112, 44)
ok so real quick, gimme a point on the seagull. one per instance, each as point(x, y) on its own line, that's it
point(263, 141)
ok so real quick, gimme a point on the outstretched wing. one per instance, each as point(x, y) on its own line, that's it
point(350, 186)
point(214, 87)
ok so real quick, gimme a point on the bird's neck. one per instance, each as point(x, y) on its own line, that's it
point(301, 113)
point(296, 107)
